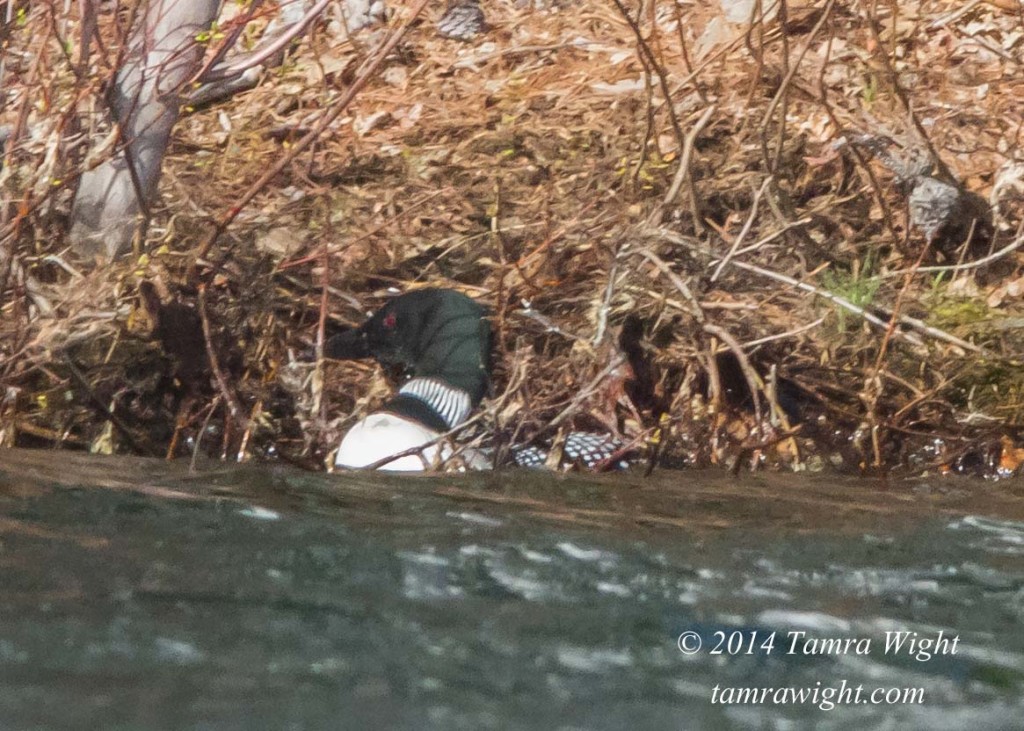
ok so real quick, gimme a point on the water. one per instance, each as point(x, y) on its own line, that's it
point(135, 595)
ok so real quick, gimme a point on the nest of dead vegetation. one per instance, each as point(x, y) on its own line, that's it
point(715, 279)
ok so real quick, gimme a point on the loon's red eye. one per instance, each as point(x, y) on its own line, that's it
point(389, 321)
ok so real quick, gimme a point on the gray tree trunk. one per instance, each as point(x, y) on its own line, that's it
point(146, 97)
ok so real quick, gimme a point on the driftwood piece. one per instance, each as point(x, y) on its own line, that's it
point(145, 99)
point(242, 71)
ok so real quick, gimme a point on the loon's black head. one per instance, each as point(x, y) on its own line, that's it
point(438, 333)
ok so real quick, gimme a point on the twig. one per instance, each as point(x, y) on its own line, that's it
point(606, 301)
point(584, 393)
point(10, 232)
point(753, 381)
point(522, 50)
point(873, 387)
point(778, 233)
point(528, 312)
point(781, 98)
point(682, 286)
point(784, 335)
point(321, 327)
point(645, 142)
point(105, 411)
point(263, 54)
point(745, 230)
point(250, 423)
point(233, 405)
point(498, 237)
point(952, 17)
point(202, 431)
point(683, 173)
point(709, 360)
point(239, 27)
point(685, 52)
point(659, 70)
point(754, 22)
point(975, 264)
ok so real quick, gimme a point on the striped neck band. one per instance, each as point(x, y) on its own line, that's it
point(451, 404)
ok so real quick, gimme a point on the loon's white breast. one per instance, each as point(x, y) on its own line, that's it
point(382, 435)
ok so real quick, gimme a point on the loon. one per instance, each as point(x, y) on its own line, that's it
point(441, 340)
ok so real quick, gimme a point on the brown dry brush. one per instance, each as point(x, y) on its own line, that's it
point(654, 203)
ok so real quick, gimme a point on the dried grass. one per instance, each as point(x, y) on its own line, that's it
point(542, 170)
